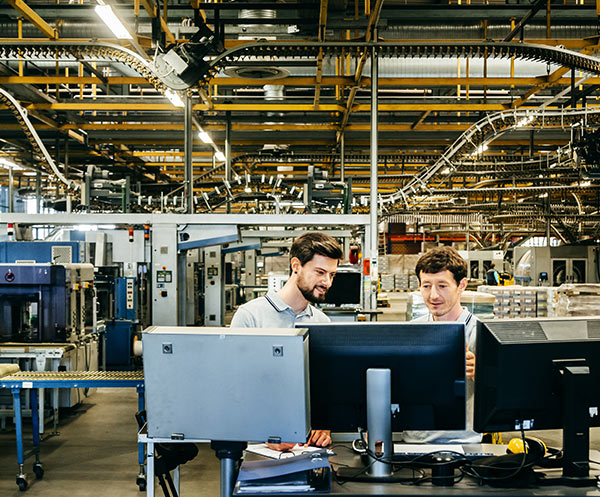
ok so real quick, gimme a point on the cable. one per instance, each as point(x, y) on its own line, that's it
point(471, 470)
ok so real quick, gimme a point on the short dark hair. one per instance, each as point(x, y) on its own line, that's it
point(309, 244)
point(441, 258)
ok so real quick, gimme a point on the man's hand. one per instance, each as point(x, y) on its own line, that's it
point(470, 359)
point(318, 438)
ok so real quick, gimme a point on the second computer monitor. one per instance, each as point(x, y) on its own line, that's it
point(427, 364)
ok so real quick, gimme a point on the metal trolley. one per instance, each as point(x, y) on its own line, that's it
point(33, 380)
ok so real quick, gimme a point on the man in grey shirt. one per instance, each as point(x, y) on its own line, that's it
point(442, 275)
point(314, 259)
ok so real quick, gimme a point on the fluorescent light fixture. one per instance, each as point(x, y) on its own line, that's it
point(205, 137)
point(543, 195)
point(174, 98)
point(29, 173)
point(586, 183)
point(220, 156)
point(9, 164)
point(446, 171)
point(108, 16)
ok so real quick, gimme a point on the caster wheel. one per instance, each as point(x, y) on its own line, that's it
point(141, 483)
point(22, 482)
point(39, 471)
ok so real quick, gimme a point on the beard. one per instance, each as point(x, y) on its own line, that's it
point(310, 295)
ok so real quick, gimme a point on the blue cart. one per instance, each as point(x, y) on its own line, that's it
point(32, 380)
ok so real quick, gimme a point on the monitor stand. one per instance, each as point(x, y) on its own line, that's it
point(379, 427)
point(574, 382)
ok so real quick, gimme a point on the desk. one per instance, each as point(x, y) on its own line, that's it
point(150, 442)
point(32, 380)
point(466, 487)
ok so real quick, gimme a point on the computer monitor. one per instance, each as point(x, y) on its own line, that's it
point(426, 380)
point(345, 289)
point(538, 374)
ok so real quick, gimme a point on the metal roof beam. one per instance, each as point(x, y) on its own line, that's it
point(152, 11)
point(34, 18)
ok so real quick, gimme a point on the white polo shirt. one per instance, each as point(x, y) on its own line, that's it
point(467, 436)
point(270, 311)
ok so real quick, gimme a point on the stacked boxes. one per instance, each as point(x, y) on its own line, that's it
point(521, 301)
point(578, 300)
point(397, 272)
point(479, 303)
point(387, 282)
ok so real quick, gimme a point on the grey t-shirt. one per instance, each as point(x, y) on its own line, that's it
point(270, 311)
point(456, 436)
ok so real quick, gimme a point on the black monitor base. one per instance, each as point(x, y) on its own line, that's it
point(567, 481)
point(359, 473)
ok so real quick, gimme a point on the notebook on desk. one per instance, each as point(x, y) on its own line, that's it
point(300, 474)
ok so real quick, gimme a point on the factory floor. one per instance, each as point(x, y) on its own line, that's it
point(95, 454)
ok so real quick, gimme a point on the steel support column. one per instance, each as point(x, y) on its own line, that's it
point(343, 157)
point(11, 190)
point(228, 156)
point(38, 193)
point(188, 165)
point(371, 300)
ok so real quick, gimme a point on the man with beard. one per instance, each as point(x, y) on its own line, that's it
point(314, 259)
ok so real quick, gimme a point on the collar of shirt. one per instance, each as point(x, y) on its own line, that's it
point(463, 318)
point(277, 302)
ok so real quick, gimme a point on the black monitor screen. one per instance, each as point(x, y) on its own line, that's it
point(427, 364)
point(517, 380)
point(345, 289)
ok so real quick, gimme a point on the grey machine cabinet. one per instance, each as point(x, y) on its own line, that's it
point(230, 384)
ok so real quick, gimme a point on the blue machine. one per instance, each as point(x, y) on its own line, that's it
point(40, 252)
point(120, 330)
point(125, 299)
point(34, 303)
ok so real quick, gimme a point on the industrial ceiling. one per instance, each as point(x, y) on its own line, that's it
point(486, 110)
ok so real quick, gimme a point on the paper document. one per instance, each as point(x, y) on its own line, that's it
point(263, 450)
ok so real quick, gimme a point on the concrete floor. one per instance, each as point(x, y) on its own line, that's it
point(96, 454)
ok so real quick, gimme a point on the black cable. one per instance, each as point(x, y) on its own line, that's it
point(471, 470)
point(351, 477)
point(418, 461)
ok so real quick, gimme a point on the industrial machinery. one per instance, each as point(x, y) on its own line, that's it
point(220, 378)
point(479, 261)
point(319, 193)
point(41, 304)
point(121, 328)
point(44, 302)
point(554, 266)
point(55, 252)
